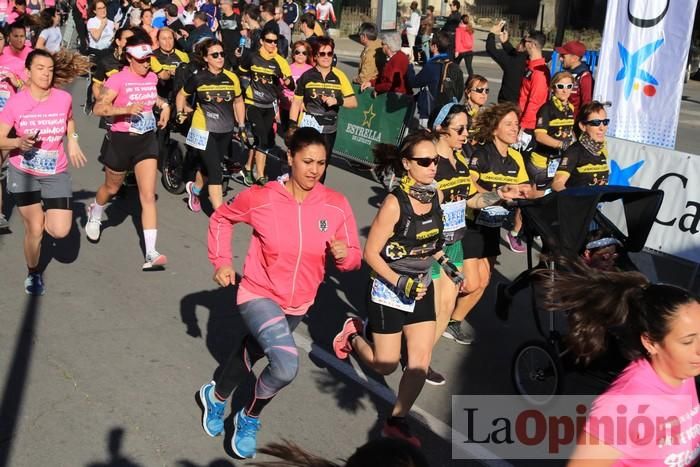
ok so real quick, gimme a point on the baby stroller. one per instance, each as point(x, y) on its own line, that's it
point(562, 220)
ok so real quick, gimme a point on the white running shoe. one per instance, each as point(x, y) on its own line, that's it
point(93, 226)
point(155, 261)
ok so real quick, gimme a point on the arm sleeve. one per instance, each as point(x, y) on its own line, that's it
point(543, 119)
point(221, 228)
point(522, 176)
point(586, 88)
point(500, 56)
point(348, 234)
point(387, 78)
point(300, 86)
point(537, 97)
point(113, 82)
point(156, 66)
point(569, 160)
point(190, 86)
point(368, 67)
point(345, 86)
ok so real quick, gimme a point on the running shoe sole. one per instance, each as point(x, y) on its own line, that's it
point(448, 335)
point(205, 410)
point(157, 265)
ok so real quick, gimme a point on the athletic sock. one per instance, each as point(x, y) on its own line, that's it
point(514, 233)
point(149, 239)
point(214, 398)
point(97, 210)
point(196, 191)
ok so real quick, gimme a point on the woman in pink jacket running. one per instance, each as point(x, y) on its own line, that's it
point(296, 223)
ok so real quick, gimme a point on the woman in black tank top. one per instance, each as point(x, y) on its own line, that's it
point(405, 238)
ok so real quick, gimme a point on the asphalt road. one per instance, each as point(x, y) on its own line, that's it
point(103, 369)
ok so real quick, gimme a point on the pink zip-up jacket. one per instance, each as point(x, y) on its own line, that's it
point(287, 254)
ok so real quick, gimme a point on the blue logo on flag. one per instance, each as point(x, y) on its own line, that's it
point(621, 176)
point(632, 68)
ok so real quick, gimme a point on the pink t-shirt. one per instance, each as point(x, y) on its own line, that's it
point(50, 117)
point(132, 88)
point(22, 54)
point(297, 71)
point(9, 64)
point(648, 421)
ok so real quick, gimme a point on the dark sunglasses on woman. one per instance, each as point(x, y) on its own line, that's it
point(426, 161)
point(597, 122)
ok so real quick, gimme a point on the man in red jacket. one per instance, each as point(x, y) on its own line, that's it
point(570, 55)
point(534, 89)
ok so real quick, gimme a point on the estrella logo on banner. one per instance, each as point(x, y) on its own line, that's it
point(632, 68)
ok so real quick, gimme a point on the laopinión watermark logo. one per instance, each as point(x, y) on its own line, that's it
point(646, 427)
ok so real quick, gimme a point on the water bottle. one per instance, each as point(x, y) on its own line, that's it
point(241, 43)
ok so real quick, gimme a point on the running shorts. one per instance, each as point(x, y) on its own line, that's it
point(54, 191)
point(125, 150)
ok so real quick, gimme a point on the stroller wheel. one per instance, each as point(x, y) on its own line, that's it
point(172, 171)
point(537, 372)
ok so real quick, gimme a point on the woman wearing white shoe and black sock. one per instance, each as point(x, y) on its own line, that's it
point(129, 97)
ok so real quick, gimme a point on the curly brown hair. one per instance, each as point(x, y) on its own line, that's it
point(307, 47)
point(488, 120)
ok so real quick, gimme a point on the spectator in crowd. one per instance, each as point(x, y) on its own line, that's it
point(19, 12)
point(187, 14)
point(325, 14)
point(100, 30)
point(571, 54)
point(434, 78)
point(413, 26)
point(310, 28)
point(426, 30)
point(147, 25)
point(285, 30)
point(200, 32)
point(455, 16)
point(302, 60)
point(393, 76)
point(512, 61)
point(267, 12)
point(50, 36)
point(80, 17)
point(251, 21)
point(372, 57)
point(534, 90)
point(290, 12)
point(464, 44)
point(171, 18)
point(230, 30)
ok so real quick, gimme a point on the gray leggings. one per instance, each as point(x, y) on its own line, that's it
point(270, 334)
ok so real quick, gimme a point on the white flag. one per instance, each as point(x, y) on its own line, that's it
point(642, 64)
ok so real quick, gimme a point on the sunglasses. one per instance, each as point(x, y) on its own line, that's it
point(270, 41)
point(480, 90)
point(324, 54)
point(300, 52)
point(597, 122)
point(425, 161)
point(564, 86)
point(460, 130)
point(216, 55)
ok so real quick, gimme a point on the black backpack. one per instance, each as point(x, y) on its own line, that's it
point(451, 85)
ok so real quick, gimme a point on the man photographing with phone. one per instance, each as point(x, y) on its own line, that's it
point(512, 61)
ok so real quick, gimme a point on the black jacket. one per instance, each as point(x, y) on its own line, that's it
point(512, 63)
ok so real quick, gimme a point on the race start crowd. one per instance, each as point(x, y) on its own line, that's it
point(220, 69)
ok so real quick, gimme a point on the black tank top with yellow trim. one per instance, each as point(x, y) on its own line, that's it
point(415, 239)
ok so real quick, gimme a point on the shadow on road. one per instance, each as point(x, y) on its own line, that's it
point(16, 381)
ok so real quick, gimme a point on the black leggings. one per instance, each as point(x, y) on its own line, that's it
point(330, 142)
point(218, 145)
point(467, 56)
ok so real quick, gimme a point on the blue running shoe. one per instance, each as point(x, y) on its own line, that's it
point(213, 416)
point(245, 432)
point(34, 284)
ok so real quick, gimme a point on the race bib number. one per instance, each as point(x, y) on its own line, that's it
point(454, 215)
point(4, 96)
point(143, 123)
point(311, 122)
point(383, 294)
point(492, 216)
point(197, 138)
point(552, 167)
point(40, 161)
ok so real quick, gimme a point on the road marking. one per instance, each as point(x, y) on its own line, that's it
point(352, 371)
